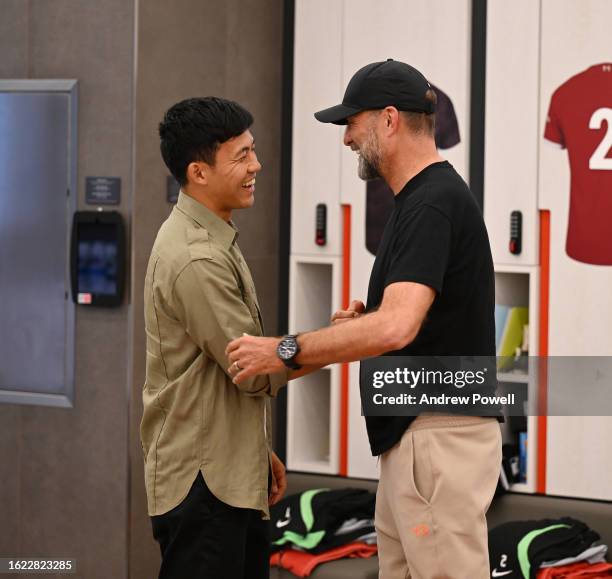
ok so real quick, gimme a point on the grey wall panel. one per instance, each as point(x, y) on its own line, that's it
point(70, 482)
point(254, 76)
point(73, 465)
point(14, 38)
point(265, 273)
point(91, 41)
point(10, 503)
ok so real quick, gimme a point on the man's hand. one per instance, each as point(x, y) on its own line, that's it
point(279, 480)
point(251, 356)
point(354, 310)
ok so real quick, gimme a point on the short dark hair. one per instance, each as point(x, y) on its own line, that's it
point(193, 129)
point(423, 122)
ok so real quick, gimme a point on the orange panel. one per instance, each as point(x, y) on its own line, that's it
point(543, 347)
point(344, 370)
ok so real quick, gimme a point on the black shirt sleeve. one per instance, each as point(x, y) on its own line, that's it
point(421, 247)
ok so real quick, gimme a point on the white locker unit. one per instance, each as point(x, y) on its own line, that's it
point(578, 462)
point(316, 147)
point(511, 127)
point(315, 270)
point(575, 37)
point(533, 48)
point(511, 181)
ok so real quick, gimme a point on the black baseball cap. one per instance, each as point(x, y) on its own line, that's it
point(379, 85)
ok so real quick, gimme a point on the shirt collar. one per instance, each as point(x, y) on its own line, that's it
point(222, 231)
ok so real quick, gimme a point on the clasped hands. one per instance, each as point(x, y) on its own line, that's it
point(254, 355)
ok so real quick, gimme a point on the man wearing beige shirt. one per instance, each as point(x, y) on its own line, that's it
point(210, 472)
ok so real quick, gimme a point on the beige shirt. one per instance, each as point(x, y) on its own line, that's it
point(199, 295)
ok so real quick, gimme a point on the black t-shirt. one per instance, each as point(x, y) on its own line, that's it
point(436, 236)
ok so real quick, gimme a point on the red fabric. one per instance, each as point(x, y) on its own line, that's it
point(576, 571)
point(303, 564)
point(580, 120)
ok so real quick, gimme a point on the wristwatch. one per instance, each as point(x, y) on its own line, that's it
point(287, 350)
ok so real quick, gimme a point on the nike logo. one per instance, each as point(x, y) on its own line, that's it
point(284, 522)
point(496, 573)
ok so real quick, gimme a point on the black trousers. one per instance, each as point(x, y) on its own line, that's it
point(204, 538)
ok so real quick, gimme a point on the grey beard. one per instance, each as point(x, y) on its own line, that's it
point(366, 169)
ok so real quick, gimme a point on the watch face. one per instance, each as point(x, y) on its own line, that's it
point(287, 349)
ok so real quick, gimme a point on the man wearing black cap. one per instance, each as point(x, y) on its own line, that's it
point(431, 293)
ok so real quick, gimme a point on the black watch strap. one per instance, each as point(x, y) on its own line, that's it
point(292, 365)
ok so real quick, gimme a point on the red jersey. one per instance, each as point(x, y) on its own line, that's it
point(580, 120)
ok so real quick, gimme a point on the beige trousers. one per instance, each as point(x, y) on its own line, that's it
point(435, 487)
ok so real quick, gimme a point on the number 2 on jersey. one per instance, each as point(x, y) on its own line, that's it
point(598, 159)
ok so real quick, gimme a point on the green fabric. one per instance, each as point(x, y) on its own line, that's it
point(306, 507)
point(309, 540)
point(525, 543)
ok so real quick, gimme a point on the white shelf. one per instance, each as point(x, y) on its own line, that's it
point(520, 488)
point(515, 268)
point(513, 377)
point(313, 401)
point(314, 291)
point(314, 466)
point(312, 434)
